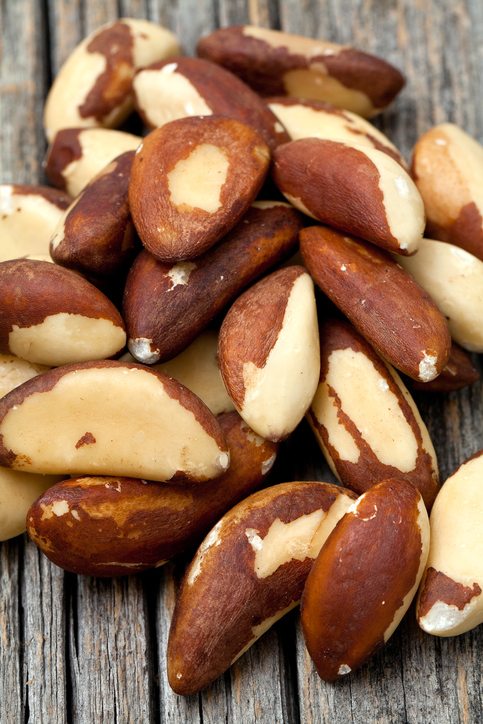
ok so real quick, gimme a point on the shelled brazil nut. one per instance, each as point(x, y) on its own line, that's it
point(18, 490)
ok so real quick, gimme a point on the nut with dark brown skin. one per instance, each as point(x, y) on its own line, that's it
point(269, 352)
point(248, 572)
point(52, 316)
point(451, 594)
point(105, 526)
point(277, 63)
point(458, 372)
point(184, 86)
point(191, 182)
point(167, 305)
point(365, 420)
point(365, 578)
point(96, 235)
point(358, 190)
point(382, 301)
point(94, 85)
point(110, 418)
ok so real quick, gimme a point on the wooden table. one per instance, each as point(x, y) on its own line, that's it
point(85, 650)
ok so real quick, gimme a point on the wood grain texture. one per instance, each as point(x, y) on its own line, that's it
point(81, 650)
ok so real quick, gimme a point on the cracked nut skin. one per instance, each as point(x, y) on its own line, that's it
point(94, 85)
point(185, 86)
point(110, 418)
point(53, 316)
point(269, 352)
point(277, 63)
point(96, 235)
point(451, 593)
point(365, 578)
point(28, 216)
point(76, 155)
point(458, 372)
point(108, 526)
point(382, 301)
point(447, 168)
point(191, 182)
point(166, 306)
point(454, 279)
point(358, 190)
point(18, 491)
point(316, 119)
point(365, 420)
point(248, 572)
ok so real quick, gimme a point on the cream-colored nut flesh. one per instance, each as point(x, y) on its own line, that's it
point(278, 394)
point(14, 371)
point(455, 553)
point(301, 121)
point(196, 181)
point(164, 95)
point(63, 338)
point(99, 146)
point(26, 223)
point(18, 491)
point(197, 369)
point(110, 420)
point(80, 74)
point(454, 279)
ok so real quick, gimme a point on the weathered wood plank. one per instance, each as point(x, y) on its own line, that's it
point(12, 705)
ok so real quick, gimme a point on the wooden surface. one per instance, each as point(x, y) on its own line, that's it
point(83, 650)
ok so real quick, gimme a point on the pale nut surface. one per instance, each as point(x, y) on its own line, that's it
point(110, 418)
point(15, 371)
point(94, 85)
point(247, 573)
point(77, 155)
point(18, 490)
point(454, 279)
point(269, 352)
point(447, 167)
point(451, 594)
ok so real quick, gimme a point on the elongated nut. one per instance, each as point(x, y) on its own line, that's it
point(365, 578)
point(359, 190)
point(454, 279)
point(316, 119)
point(28, 216)
point(77, 155)
point(387, 307)
point(18, 491)
point(94, 86)
point(191, 181)
point(248, 572)
point(52, 316)
point(451, 594)
point(458, 372)
point(105, 526)
point(276, 63)
point(365, 420)
point(95, 235)
point(14, 371)
point(269, 352)
point(447, 167)
point(167, 305)
point(110, 418)
point(181, 87)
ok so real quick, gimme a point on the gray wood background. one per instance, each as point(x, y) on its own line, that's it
point(83, 650)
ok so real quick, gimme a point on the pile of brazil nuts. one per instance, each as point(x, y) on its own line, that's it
point(160, 335)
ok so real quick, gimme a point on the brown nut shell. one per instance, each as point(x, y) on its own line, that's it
point(110, 418)
point(185, 86)
point(358, 190)
point(191, 181)
point(52, 316)
point(166, 306)
point(277, 63)
point(105, 526)
point(96, 235)
point(365, 578)
point(384, 303)
point(248, 572)
point(365, 420)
